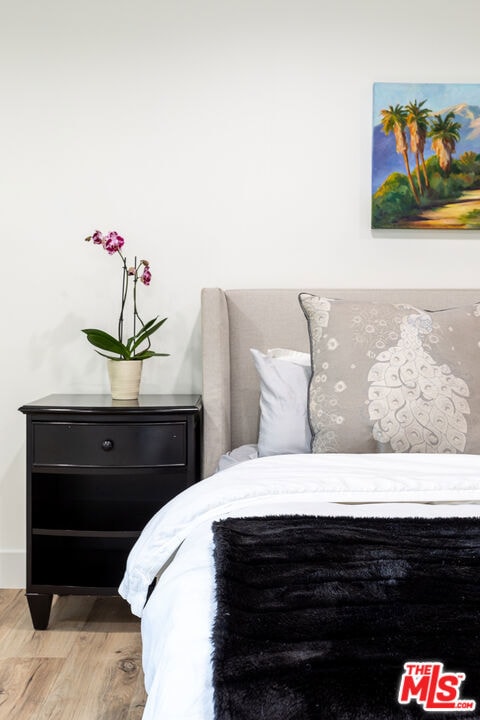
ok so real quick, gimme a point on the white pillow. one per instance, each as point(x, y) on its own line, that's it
point(237, 455)
point(284, 377)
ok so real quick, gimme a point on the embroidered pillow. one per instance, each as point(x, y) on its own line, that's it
point(393, 378)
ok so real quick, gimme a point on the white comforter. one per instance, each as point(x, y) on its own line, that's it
point(177, 620)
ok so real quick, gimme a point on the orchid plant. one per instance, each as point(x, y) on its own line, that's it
point(136, 347)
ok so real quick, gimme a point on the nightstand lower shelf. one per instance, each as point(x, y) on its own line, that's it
point(78, 561)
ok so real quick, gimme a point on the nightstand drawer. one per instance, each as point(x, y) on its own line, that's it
point(109, 445)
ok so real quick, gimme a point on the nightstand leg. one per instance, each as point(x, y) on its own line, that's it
point(39, 605)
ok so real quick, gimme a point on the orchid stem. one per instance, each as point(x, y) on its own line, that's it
point(124, 296)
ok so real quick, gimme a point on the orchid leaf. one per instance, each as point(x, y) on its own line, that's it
point(145, 354)
point(104, 341)
point(147, 330)
point(110, 357)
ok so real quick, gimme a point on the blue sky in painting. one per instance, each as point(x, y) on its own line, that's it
point(438, 95)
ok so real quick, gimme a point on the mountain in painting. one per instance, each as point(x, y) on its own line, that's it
point(386, 160)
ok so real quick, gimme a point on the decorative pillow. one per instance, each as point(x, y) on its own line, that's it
point(393, 378)
point(284, 377)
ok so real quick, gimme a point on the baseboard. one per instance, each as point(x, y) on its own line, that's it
point(12, 568)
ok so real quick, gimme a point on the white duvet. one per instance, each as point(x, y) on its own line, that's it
point(177, 543)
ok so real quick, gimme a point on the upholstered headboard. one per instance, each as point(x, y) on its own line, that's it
point(233, 321)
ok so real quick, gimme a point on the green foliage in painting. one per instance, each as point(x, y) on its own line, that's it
point(471, 219)
point(395, 201)
point(392, 201)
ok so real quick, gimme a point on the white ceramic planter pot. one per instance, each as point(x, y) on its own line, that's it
point(125, 376)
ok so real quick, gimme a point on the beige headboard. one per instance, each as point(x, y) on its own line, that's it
point(233, 321)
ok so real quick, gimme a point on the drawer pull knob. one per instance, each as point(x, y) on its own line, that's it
point(107, 445)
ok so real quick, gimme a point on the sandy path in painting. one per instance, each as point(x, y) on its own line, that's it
point(446, 216)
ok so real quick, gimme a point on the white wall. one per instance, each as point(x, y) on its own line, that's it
point(228, 141)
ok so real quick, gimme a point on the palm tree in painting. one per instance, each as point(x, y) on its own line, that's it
point(394, 119)
point(445, 132)
point(417, 122)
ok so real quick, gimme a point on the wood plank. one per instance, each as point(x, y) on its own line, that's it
point(10, 601)
point(24, 684)
point(120, 682)
point(112, 615)
point(87, 666)
point(68, 616)
point(138, 700)
point(104, 670)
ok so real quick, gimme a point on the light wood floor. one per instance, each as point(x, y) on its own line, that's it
point(86, 666)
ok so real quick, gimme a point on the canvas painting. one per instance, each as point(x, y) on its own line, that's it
point(426, 156)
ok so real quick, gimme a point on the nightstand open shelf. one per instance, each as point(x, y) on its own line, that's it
point(87, 564)
point(84, 503)
point(97, 471)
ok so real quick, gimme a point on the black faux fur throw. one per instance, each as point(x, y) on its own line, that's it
point(317, 615)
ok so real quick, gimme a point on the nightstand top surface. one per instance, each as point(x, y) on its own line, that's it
point(104, 403)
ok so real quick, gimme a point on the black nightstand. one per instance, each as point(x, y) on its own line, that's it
point(97, 470)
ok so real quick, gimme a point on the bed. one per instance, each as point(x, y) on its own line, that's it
point(417, 352)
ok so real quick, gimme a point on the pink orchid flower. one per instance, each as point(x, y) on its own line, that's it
point(113, 242)
point(138, 346)
point(146, 276)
